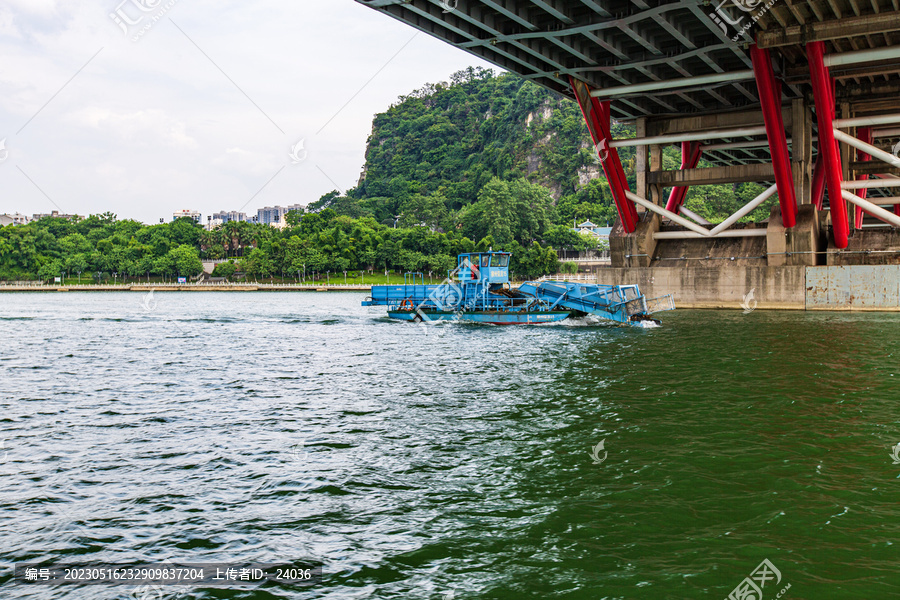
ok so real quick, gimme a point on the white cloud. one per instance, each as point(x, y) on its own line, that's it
point(143, 127)
point(151, 126)
point(42, 8)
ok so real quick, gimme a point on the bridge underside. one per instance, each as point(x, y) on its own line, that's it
point(802, 97)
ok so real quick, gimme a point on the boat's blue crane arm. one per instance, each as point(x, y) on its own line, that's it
point(622, 303)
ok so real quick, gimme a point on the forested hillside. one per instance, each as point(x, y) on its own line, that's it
point(432, 153)
point(482, 161)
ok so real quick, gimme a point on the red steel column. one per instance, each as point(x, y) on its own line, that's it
point(770, 99)
point(597, 116)
point(831, 161)
point(613, 156)
point(690, 156)
point(865, 135)
point(818, 183)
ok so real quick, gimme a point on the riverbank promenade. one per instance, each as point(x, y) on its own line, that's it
point(189, 287)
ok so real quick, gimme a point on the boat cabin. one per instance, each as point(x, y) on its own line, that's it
point(477, 267)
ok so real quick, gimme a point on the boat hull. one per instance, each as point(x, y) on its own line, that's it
point(491, 317)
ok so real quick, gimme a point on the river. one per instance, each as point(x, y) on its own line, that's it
point(448, 461)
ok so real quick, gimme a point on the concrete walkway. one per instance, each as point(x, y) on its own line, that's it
point(189, 287)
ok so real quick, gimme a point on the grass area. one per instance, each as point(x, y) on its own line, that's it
point(376, 278)
point(364, 278)
point(112, 281)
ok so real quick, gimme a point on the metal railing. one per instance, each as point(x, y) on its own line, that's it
point(194, 284)
point(586, 277)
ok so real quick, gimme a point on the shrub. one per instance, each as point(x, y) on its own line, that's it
point(225, 269)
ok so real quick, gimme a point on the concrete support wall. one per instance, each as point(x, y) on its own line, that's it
point(634, 249)
point(868, 247)
point(722, 287)
point(641, 162)
point(792, 287)
point(795, 246)
point(801, 150)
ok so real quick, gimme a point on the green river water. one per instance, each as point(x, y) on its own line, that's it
point(449, 461)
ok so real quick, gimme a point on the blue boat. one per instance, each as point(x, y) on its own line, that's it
point(478, 291)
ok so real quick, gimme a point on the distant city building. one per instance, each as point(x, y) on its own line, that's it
point(192, 214)
point(13, 219)
point(231, 215)
point(274, 215)
point(55, 214)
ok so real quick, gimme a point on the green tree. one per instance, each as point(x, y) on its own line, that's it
point(51, 269)
point(185, 261)
point(225, 269)
point(258, 263)
point(562, 237)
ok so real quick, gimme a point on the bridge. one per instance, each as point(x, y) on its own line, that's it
point(799, 96)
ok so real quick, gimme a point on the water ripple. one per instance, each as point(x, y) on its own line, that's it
point(417, 461)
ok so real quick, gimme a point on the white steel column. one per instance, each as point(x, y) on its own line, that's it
point(690, 137)
point(867, 148)
point(873, 209)
point(690, 235)
point(667, 213)
point(692, 215)
point(744, 210)
point(870, 183)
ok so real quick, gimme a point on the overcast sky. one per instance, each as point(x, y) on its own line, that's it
point(199, 104)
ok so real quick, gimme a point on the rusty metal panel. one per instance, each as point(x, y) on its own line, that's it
point(817, 287)
point(853, 287)
point(876, 286)
point(840, 285)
